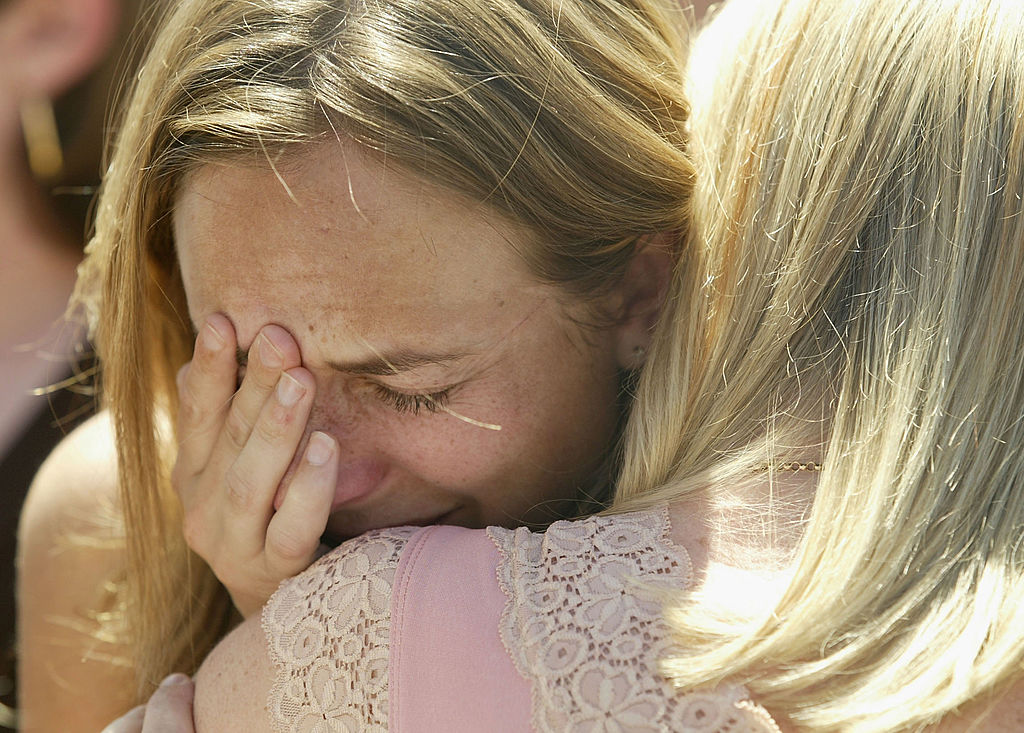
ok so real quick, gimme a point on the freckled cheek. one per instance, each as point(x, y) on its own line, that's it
point(441, 450)
point(445, 452)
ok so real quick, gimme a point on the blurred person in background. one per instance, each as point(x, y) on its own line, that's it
point(59, 63)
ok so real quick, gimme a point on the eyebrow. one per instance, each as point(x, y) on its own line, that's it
point(383, 365)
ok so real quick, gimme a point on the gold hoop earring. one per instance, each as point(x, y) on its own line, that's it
point(42, 139)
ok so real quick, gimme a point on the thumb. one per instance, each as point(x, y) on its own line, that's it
point(170, 708)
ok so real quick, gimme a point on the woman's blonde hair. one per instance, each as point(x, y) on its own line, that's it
point(858, 297)
point(566, 116)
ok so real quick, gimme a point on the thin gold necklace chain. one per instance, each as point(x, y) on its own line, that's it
point(794, 466)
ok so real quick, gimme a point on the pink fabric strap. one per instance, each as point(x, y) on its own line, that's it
point(449, 669)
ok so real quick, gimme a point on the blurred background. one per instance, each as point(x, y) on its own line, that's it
point(61, 63)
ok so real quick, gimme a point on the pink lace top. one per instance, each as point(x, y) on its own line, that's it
point(450, 629)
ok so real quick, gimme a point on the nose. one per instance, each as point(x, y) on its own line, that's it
point(361, 466)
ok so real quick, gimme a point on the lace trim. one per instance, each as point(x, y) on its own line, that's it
point(583, 625)
point(327, 630)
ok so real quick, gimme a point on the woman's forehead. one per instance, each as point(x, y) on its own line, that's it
point(370, 206)
point(346, 177)
point(343, 238)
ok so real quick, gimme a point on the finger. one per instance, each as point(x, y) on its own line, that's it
point(170, 708)
point(293, 536)
point(252, 480)
point(130, 722)
point(272, 352)
point(205, 388)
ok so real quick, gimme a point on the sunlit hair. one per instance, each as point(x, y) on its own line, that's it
point(859, 299)
point(566, 116)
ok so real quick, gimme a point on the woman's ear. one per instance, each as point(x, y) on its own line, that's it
point(641, 296)
point(46, 46)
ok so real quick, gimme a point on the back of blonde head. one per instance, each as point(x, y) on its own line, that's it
point(861, 168)
point(566, 116)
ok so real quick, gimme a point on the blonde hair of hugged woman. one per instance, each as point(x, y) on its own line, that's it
point(854, 295)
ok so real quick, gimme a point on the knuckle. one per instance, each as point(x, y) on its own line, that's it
point(193, 529)
point(239, 488)
point(236, 429)
point(273, 425)
point(190, 410)
point(290, 547)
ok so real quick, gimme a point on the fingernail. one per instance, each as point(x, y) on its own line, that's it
point(175, 679)
point(319, 450)
point(270, 355)
point(211, 337)
point(289, 390)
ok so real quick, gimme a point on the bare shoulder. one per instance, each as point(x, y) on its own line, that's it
point(73, 674)
point(234, 683)
point(71, 507)
point(84, 462)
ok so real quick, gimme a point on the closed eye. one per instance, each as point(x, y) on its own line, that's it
point(402, 402)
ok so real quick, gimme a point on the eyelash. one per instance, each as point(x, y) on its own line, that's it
point(398, 401)
point(402, 402)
